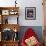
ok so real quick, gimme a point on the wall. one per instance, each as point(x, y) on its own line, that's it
point(39, 13)
point(27, 3)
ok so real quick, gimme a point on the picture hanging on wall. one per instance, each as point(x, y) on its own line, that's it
point(30, 13)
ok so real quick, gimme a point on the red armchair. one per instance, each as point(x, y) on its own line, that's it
point(29, 36)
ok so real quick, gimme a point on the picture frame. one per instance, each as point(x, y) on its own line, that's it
point(30, 13)
point(13, 12)
point(5, 12)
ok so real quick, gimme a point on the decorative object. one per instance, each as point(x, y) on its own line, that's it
point(13, 12)
point(15, 37)
point(7, 34)
point(30, 13)
point(15, 30)
point(6, 21)
point(30, 38)
point(5, 12)
point(15, 3)
point(31, 41)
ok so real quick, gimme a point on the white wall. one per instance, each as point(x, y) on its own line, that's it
point(27, 3)
point(39, 12)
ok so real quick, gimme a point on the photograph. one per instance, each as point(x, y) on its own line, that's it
point(30, 13)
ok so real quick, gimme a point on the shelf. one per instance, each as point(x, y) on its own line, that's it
point(2, 8)
point(8, 26)
point(11, 41)
point(6, 12)
point(9, 10)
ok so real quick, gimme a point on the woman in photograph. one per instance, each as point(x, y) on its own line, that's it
point(30, 38)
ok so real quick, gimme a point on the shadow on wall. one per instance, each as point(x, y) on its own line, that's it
point(37, 29)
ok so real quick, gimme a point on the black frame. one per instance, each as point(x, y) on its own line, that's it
point(31, 10)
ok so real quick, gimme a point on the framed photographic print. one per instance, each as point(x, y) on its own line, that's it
point(30, 13)
point(5, 12)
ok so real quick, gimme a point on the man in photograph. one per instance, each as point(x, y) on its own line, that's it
point(29, 13)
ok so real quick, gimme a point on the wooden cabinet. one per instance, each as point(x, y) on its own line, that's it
point(9, 23)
